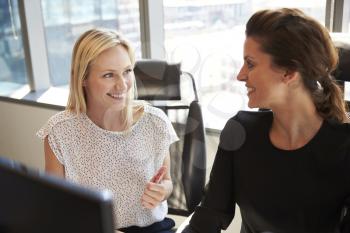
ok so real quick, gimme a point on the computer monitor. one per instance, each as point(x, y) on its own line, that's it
point(34, 202)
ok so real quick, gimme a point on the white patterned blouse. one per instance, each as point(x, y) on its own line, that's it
point(121, 162)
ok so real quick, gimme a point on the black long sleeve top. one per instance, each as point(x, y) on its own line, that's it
point(278, 191)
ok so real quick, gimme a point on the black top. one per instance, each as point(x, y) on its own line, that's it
point(278, 191)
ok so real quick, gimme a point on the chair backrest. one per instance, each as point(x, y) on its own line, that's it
point(158, 81)
point(194, 162)
point(342, 72)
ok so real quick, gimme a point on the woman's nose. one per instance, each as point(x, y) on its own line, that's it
point(242, 75)
point(120, 83)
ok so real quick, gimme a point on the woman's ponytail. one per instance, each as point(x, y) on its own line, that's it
point(330, 102)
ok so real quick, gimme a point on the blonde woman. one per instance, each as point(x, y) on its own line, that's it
point(106, 140)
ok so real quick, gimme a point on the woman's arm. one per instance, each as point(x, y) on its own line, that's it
point(155, 193)
point(52, 165)
point(217, 208)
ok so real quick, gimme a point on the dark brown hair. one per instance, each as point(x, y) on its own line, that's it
point(299, 43)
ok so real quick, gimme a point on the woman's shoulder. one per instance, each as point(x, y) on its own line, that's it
point(63, 116)
point(338, 130)
point(155, 113)
point(160, 123)
point(57, 119)
point(243, 124)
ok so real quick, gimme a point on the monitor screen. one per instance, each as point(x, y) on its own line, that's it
point(34, 202)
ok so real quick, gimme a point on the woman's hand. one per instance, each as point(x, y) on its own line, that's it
point(157, 189)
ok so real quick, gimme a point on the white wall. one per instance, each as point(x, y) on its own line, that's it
point(18, 126)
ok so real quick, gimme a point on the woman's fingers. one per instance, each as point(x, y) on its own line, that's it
point(153, 195)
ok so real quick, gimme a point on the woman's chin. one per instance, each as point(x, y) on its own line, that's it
point(252, 104)
point(255, 105)
point(117, 107)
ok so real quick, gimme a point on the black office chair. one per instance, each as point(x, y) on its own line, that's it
point(342, 72)
point(160, 82)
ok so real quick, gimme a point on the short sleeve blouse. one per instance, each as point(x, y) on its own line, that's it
point(121, 162)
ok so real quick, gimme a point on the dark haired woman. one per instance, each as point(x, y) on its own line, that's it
point(287, 169)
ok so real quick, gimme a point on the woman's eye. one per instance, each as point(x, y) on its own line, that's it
point(108, 75)
point(128, 71)
point(250, 65)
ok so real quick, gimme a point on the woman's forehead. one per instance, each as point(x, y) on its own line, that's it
point(116, 57)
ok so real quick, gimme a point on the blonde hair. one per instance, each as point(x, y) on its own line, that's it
point(86, 49)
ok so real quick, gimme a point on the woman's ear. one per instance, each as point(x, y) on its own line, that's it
point(290, 76)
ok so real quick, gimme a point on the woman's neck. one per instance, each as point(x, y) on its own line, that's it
point(114, 120)
point(294, 124)
point(108, 119)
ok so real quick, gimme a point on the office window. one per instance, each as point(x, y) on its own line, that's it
point(346, 17)
point(207, 38)
point(66, 20)
point(13, 72)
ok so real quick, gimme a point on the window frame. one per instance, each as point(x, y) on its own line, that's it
point(34, 44)
point(152, 42)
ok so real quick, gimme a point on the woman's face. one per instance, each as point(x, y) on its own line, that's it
point(109, 81)
point(264, 82)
